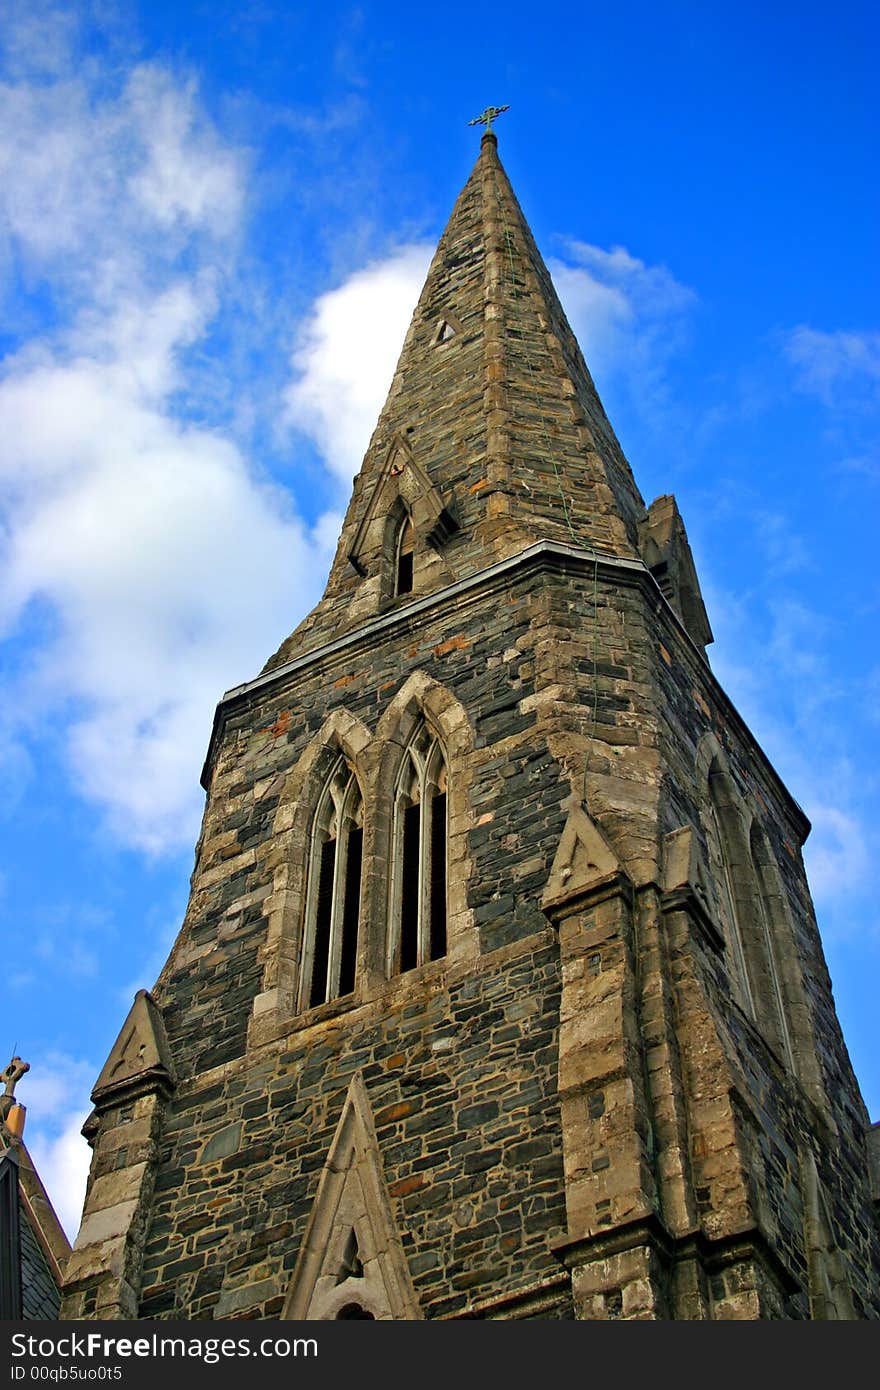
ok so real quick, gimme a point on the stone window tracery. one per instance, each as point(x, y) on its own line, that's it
point(417, 924)
point(332, 919)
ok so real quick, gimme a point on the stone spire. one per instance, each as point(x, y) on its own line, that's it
point(492, 436)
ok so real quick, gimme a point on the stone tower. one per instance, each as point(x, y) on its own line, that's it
point(499, 993)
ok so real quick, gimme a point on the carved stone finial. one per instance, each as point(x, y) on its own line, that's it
point(8, 1104)
point(13, 1074)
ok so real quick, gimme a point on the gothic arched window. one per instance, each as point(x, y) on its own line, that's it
point(771, 925)
point(417, 928)
point(403, 556)
point(745, 908)
point(334, 890)
point(722, 858)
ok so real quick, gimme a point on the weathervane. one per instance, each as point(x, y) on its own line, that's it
point(487, 117)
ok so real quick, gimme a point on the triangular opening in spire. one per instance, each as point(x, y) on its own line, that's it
point(446, 328)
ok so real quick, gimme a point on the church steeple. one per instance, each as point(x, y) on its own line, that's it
point(499, 993)
point(492, 436)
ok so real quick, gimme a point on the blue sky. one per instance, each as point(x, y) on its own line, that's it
point(213, 228)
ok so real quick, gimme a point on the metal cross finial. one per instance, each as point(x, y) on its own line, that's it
point(487, 117)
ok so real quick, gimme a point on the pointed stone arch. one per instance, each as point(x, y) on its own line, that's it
point(402, 483)
point(421, 695)
point(725, 828)
point(762, 930)
point(288, 856)
point(423, 700)
point(398, 522)
point(798, 1017)
point(351, 1262)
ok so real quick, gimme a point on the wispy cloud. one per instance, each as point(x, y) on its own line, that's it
point(630, 318)
point(773, 658)
point(836, 367)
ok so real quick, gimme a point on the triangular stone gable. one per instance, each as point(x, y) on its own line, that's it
point(352, 1264)
point(401, 476)
point(665, 549)
point(583, 860)
point(140, 1053)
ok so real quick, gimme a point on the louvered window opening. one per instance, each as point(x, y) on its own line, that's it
point(418, 901)
point(334, 890)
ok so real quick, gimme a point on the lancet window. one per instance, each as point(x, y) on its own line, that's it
point(418, 865)
point(778, 1020)
point(745, 907)
point(334, 890)
point(722, 860)
point(403, 562)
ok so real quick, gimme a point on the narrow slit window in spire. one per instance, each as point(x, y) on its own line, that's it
point(404, 560)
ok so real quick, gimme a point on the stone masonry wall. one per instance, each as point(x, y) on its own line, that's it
point(558, 668)
point(783, 1116)
point(460, 1065)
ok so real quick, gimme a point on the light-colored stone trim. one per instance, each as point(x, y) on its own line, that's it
point(287, 854)
point(352, 1198)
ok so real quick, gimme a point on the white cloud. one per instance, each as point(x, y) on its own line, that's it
point(39, 38)
point(771, 658)
point(171, 569)
point(100, 188)
point(54, 1085)
point(837, 853)
point(54, 1091)
point(347, 353)
point(62, 1161)
point(629, 317)
point(833, 366)
point(185, 175)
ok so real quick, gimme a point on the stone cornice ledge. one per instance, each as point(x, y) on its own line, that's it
point(534, 555)
point(715, 1252)
point(540, 555)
